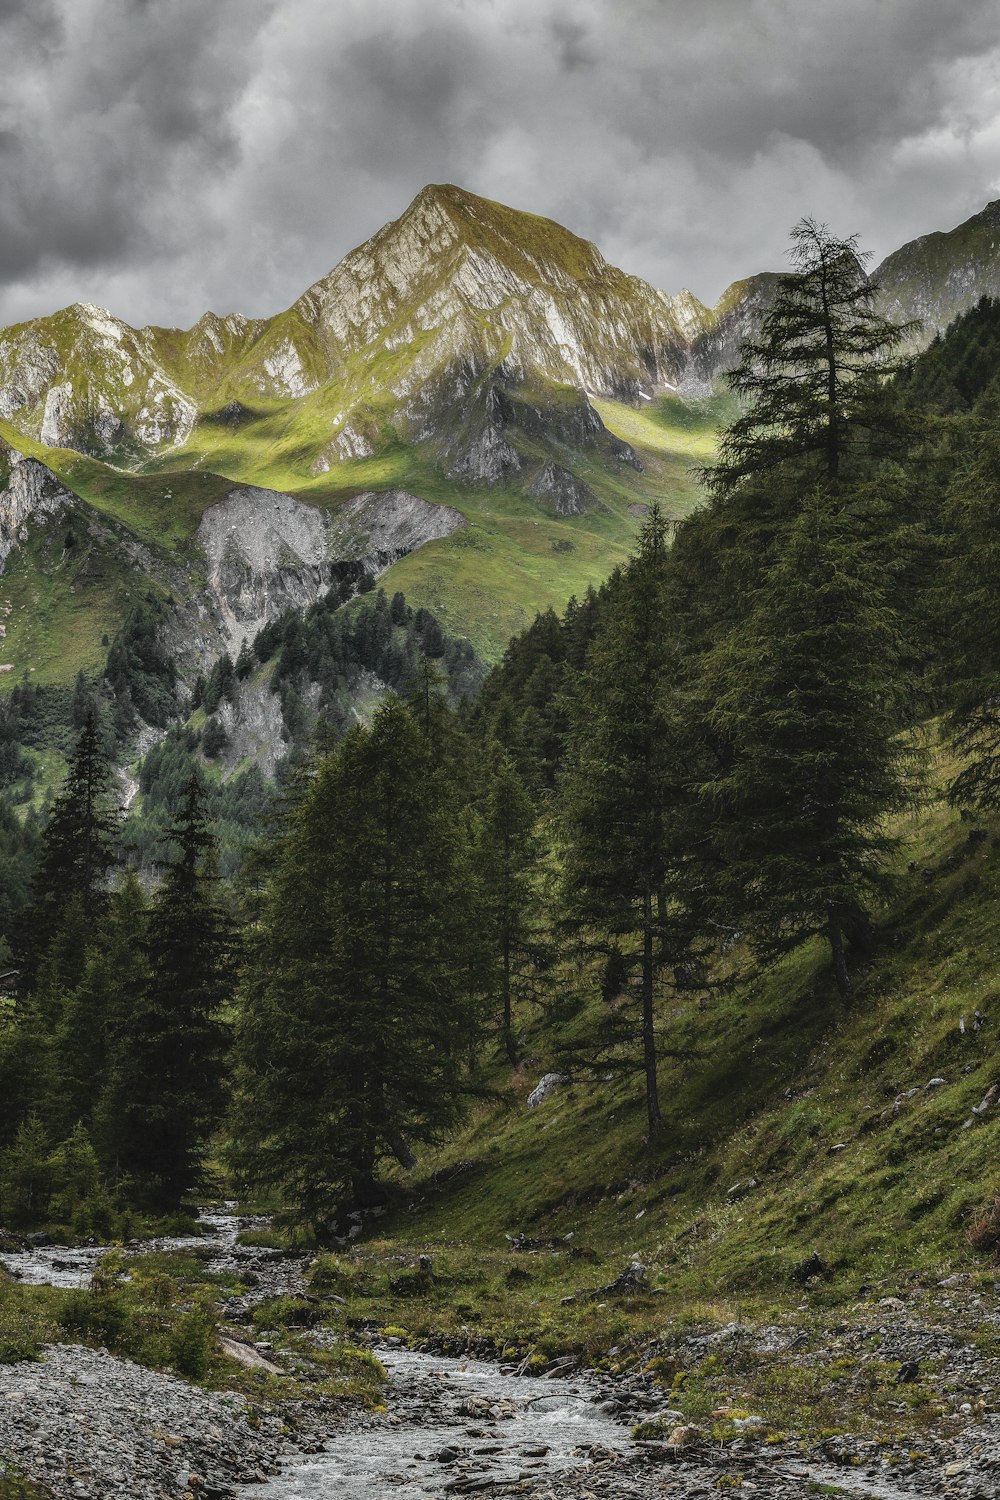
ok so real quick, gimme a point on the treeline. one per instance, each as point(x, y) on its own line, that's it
point(703, 758)
point(112, 1061)
point(324, 664)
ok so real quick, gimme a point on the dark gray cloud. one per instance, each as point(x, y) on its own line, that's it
point(163, 158)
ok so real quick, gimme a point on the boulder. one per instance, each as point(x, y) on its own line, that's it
point(546, 1086)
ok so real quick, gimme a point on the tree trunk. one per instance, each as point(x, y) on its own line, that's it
point(835, 932)
point(401, 1151)
point(508, 1020)
point(648, 1034)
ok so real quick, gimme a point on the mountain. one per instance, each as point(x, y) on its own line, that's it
point(467, 356)
point(931, 280)
point(456, 291)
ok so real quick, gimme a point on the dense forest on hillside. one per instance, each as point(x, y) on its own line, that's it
point(685, 777)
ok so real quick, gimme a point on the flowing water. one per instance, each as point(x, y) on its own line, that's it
point(452, 1425)
point(61, 1265)
point(455, 1426)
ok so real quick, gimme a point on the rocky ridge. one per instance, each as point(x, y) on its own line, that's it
point(29, 492)
point(267, 552)
point(456, 283)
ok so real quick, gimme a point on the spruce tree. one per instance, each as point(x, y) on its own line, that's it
point(360, 1000)
point(811, 760)
point(170, 1052)
point(94, 1015)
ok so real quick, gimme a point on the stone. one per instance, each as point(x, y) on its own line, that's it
point(546, 1085)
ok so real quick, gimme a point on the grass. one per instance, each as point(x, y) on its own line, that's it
point(162, 1310)
point(794, 1125)
point(59, 602)
point(486, 582)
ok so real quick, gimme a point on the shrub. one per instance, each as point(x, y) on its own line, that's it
point(984, 1232)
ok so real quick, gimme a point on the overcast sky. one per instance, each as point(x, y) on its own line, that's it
point(161, 157)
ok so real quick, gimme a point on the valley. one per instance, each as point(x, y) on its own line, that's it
point(498, 882)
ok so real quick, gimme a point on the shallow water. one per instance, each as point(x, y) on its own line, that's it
point(60, 1265)
point(489, 1421)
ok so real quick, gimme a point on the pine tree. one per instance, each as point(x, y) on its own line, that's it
point(170, 1064)
point(623, 794)
point(812, 762)
point(360, 999)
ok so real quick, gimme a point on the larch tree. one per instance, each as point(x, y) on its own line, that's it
point(814, 381)
point(622, 794)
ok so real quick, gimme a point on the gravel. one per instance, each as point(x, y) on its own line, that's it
point(89, 1425)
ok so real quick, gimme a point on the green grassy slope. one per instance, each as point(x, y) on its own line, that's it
point(485, 582)
point(790, 1126)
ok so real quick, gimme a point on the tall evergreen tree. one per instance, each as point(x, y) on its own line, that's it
point(815, 379)
point(78, 846)
point(812, 762)
point(818, 403)
point(93, 1017)
point(360, 1000)
point(622, 793)
point(170, 1052)
point(508, 858)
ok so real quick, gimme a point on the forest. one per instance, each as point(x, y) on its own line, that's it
point(690, 773)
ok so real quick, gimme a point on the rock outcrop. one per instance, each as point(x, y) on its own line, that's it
point(266, 552)
point(29, 492)
point(562, 492)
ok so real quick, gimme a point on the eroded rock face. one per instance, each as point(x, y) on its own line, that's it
point(28, 492)
point(378, 529)
point(266, 553)
point(562, 491)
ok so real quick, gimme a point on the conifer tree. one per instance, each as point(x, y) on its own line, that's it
point(360, 999)
point(812, 763)
point(623, 795)
point(818, 403)
point(94, 1015)
point(508, 856)
point(78, 846)
point(814, 380)
point(170, 1063)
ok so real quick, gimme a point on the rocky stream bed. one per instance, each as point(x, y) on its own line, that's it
point(86, 1424)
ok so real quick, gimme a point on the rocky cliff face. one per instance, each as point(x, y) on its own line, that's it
point(29, 493)
point(266, 552)
point(84, 380)
point(932, 279)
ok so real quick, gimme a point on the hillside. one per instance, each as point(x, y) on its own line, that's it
point(470, 355)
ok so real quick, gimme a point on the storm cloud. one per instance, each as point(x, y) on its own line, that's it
point(161, 157)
